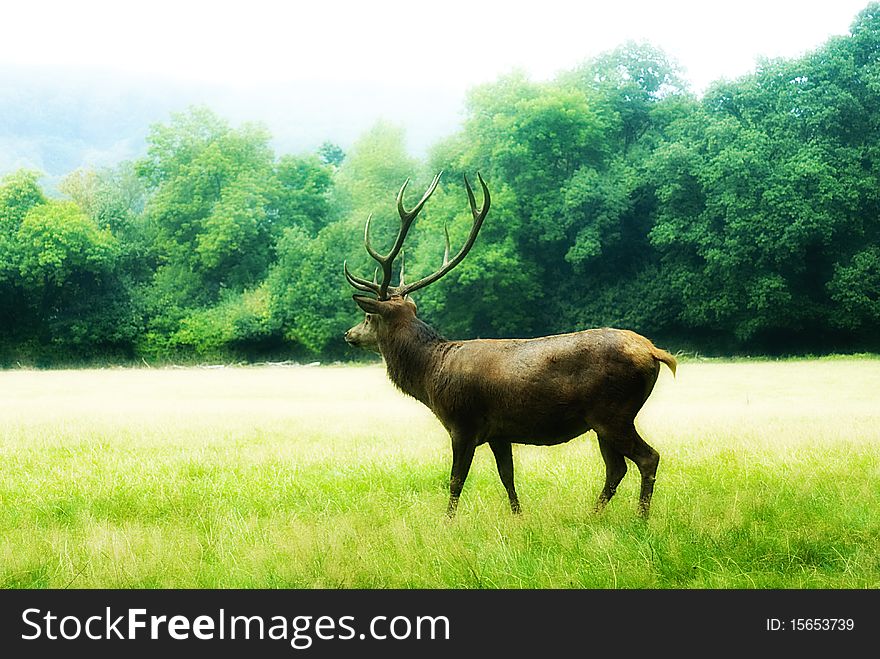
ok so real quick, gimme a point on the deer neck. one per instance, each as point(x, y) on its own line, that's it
point(410, 353)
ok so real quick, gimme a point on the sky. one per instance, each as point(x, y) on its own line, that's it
point(453, 43)
point(400, 59)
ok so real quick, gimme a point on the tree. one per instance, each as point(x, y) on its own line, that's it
point(220, 207)
point(630, 81)
point(113, 197)
point(300, 195)
point(309, 298)
point(68, 285)
point(567, 160)
point(331, 154)
point(209, 203)
point(212, 216)
point(19, 193)
point(376, 164)
point(768, 199)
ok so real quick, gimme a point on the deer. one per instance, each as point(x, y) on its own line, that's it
point(536, 391)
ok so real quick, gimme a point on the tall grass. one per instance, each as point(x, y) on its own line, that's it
point(328, 477)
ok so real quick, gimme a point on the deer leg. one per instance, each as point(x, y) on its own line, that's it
point(647, 460)
point(626, 440)
point(462, 456)
point(615, 470)
point(504, 461)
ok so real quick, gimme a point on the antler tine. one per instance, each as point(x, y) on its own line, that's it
point(386, 262)
point(372, 252)
point(479, 216)
point(406, 220)
point(400, 209)
point(446, 249)
point(358, 283)
point(409, 216)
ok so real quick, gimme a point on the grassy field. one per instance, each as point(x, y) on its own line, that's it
point(328, 477)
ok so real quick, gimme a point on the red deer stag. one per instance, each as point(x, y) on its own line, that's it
point(541, 391)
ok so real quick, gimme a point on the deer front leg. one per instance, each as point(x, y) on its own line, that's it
point(463, 448)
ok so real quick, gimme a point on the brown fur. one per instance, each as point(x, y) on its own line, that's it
point(541, 391)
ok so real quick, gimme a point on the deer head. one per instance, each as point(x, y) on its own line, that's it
point(392, 304)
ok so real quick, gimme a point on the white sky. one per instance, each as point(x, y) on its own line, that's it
point(451, 44)
point(321, 70)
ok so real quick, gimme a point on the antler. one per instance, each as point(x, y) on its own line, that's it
point(384, 290)
point(479, 216)
point(387, 262)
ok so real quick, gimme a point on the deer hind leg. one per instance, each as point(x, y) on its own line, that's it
point(627, 441)
point(504, 461)
point(462, 456)
point(615, 470)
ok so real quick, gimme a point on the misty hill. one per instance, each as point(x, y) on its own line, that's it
point(56, 122)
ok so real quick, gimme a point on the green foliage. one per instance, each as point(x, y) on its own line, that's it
point(309, 297)
point(65, 297)
point(237, 324)
point(58, 242)
point(209, 206)
point(331, 154)
point(855, 287)
point(301, 194)
point(768, 194)
point(375, 168)
point(629, 81)
point(220, 205)
point(231, 248)
point(114, 198)
point(19, 192)
point(567, 166)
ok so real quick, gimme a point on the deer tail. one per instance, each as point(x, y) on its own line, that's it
point(662, 356)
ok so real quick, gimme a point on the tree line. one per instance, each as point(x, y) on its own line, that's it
point(746, 220)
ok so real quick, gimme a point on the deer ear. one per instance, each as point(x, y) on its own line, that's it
point(369, 304)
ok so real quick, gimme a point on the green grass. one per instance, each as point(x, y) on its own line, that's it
point(328, 477)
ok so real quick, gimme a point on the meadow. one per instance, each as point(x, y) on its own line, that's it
point(327, 477)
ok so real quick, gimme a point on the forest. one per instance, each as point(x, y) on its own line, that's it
point(744, 221)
